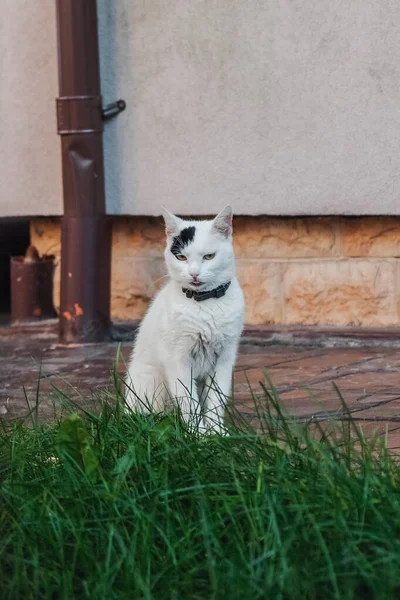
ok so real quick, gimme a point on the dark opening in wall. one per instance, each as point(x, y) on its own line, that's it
point(14, 240)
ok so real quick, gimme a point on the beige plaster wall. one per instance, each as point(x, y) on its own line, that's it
point(279, 108)
point(30, 162)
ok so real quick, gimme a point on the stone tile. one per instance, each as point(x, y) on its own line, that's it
point(379, 397)
point(137, 258)
point(304, 378)
point(347, 292)
point(336, 292)
point(311, 406)
point(371, 236)
point(329, 363)
point(253, 356)
point(134, 282)
point(138, 237)
point(136, 243)
point(254, 237)
point(367, 382)
point(260, 280)
point(387, 410)
point(283, 377)
point(266, 237)
point(280, 379)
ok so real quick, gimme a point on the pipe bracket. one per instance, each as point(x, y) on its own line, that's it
point(79, 114)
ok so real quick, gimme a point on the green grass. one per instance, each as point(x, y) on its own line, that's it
point(111, 505)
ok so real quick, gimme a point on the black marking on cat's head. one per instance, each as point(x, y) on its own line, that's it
point(183, 239)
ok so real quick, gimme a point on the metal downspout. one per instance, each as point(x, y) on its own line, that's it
point(86, 231)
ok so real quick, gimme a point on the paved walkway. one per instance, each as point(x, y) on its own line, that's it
point(368, 377)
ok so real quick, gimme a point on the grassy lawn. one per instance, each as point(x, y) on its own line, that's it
point(111, 505)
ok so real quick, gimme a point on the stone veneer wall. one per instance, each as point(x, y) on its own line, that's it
point(310, 271)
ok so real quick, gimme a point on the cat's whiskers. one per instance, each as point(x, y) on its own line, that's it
point(153, 283)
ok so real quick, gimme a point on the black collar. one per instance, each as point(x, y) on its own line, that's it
point(217, 292)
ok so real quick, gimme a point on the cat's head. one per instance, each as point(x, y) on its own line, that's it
point(199, 254)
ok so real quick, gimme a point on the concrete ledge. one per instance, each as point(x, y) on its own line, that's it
point(257, 335)
point(326, 337)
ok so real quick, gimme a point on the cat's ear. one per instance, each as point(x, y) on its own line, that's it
point(222, 223)
point(172, 223)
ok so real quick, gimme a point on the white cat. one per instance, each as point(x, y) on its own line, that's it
point(186, 346)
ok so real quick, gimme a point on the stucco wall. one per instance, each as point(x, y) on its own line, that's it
point(30, 163)
point(285, 107)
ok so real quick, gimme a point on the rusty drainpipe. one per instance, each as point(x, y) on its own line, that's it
point(86, 230)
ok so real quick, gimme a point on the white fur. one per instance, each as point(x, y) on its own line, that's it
point(185, 350)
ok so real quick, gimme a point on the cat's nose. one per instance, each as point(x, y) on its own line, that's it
point(194, 275)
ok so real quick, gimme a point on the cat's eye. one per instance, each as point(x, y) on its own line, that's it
point(209, 256)
point(181, 257)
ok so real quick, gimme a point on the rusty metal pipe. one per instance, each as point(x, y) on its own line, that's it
point(86, 232)
point(32, 288)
